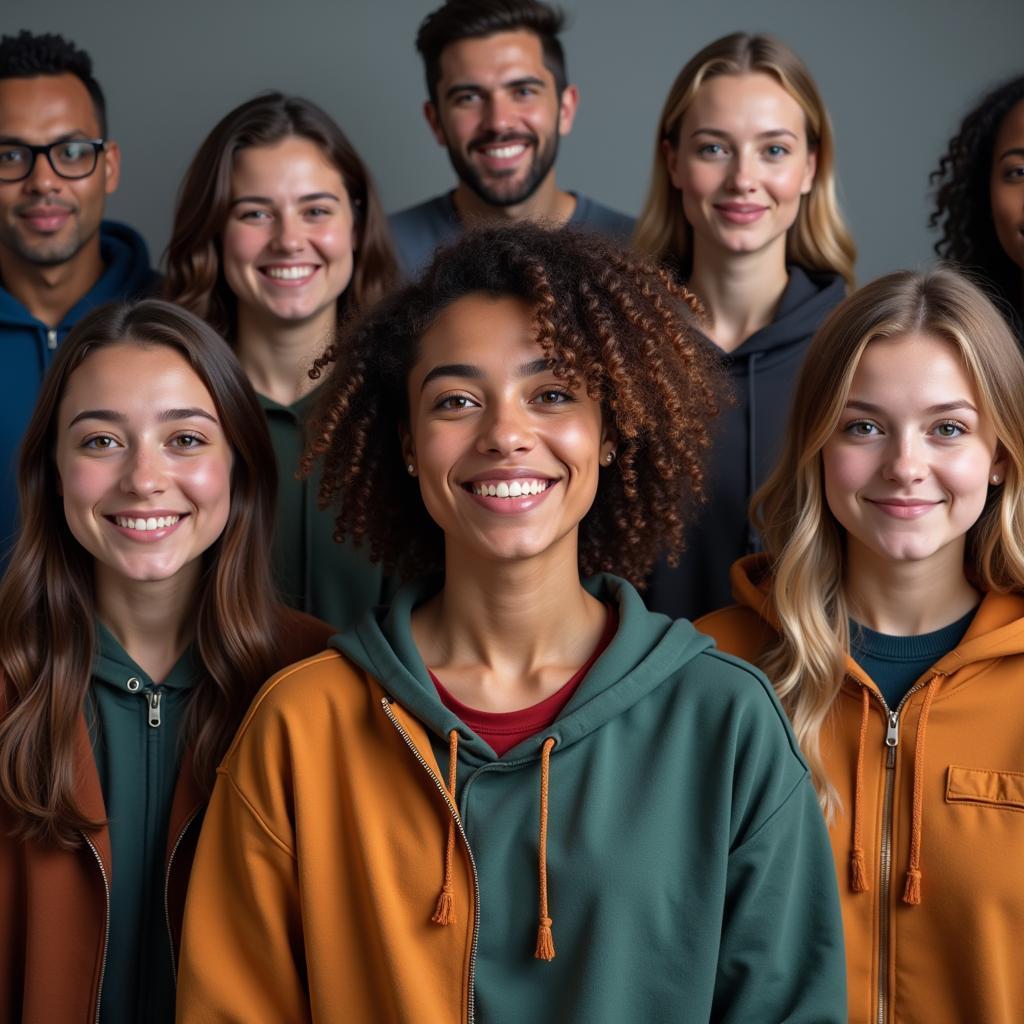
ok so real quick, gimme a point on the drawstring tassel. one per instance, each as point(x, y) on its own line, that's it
point(444, 910)
point(858, 871)
point(545, 940)
point(912, 893)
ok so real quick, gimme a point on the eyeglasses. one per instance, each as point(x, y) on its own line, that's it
point(72, 158)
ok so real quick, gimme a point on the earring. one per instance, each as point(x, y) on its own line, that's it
point(610, 457)
point(411, 469)
point(996, 478)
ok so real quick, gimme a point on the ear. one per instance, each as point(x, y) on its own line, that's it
point(1000, 463)
point(568, 104)
point(609, 445)
point(408, 449)
point(670, 154)
point(111, 167)
point(430, 112)
point(812, 168)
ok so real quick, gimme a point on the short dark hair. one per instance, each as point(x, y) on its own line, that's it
point(474, 19)
point(611, 323)
point(27, 55)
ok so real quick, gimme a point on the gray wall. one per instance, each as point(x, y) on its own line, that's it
point(896, 74)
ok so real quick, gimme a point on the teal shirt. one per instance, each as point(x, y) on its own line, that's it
point(138, 762)
point(335, 582)
point(895, 663)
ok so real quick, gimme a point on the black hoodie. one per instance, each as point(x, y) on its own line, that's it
point(747, 441)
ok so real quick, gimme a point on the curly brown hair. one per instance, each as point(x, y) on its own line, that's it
point(609, 321)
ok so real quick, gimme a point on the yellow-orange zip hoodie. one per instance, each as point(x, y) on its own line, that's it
point(929, 843)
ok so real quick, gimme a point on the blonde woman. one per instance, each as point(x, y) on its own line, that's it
point(888, 612)
point(742, 207)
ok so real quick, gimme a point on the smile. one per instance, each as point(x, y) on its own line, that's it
point(144, 525)
point(505, 152)
point(510, 488)
point(903, 509)
point(299, 273)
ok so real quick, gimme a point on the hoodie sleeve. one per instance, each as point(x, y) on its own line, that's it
point(242, 947)
point(782, 955)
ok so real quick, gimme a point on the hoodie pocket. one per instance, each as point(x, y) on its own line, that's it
point(983, 786)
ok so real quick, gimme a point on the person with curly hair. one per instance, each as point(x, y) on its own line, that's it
point(979, 199)
point(278, 237)
point(517, 758)
point(742, 207)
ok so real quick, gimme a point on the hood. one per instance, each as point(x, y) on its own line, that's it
point(807, 299)
point(645, 652)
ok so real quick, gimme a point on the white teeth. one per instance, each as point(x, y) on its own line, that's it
point(510, 489)
point(504, 152)
point(289, 273)
point(150, 523)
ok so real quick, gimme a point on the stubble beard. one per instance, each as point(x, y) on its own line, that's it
point(544, 156)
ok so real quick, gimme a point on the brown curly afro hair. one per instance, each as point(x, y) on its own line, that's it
point(609, 322)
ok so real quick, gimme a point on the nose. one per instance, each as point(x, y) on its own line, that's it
point(505, 429)
point(906, 462)
point(144, 472)
point(741, 172)
point(288, 236)
point(498, 114)
point(43, 180)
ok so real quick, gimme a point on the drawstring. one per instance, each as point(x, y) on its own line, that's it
point(753, 538)
point(858, 871)
point(444, 911)
point(545, 941)
point(912, 892)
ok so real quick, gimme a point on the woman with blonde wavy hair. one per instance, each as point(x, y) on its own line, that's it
point(742, 207)
point(888, 611)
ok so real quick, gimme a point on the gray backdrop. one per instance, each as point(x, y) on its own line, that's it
point(897, 76)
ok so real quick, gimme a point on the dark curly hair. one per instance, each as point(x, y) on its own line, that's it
point(609, 321)
point(962, 207)
point(475, 19)
point(27, 55)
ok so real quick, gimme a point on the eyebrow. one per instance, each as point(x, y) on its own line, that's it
point(773, 133)
point(267, 201)
point(168, 415)
point(1013, 151)
point(71, 136)
point(469, 372)
point(932, 410)
point(474, 87)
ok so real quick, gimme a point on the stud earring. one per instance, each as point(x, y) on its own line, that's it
point(996, 478)
point(610, 457)
point(411, 469)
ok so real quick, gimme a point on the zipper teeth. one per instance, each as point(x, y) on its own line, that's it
point(106, 926)
point(386, 705)
point(885, 858)
point(167, 888)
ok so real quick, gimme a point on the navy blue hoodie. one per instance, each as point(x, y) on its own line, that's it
point(747, 441)
point(28, 347)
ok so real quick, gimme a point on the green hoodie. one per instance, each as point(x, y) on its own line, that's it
point(689, 871)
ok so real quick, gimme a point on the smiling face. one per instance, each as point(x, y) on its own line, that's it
point(742, 163)
point(145, 471)
point(1006, 188)
point(287, 247)
point(507, 458)
point(46, 219)
point(499, 114)
point(909, 465)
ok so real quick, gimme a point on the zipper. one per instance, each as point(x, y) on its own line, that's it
point(167, 892)
point(386, 705)
point(106, 926)
point(153, 700)
point(892, 740)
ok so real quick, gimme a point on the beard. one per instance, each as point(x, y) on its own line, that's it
point(496, 190)
point(49, 251)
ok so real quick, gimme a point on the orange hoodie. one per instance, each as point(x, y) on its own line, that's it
point(929, 841)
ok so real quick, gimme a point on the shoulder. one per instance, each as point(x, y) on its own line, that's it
point(419, 230)
point(301, 635)
point(594, 216)
point(738, 630)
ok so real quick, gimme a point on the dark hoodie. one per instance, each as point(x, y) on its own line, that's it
point(29, 346)
point(747, 442)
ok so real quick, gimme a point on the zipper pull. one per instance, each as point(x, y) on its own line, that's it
point(892, 738)
point(154, 709)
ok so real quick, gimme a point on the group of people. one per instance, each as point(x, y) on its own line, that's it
point(451, 485)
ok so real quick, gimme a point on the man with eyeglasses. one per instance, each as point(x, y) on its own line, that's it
point(58, 257)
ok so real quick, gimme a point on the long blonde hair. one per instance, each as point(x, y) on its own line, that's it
point(806, 543)
point(819, 239)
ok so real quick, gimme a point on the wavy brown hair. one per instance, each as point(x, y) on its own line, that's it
point(195, 278)
point(819, 239)
point(47, 599)
point(609, 322)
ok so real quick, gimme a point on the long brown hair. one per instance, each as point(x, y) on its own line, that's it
point(819, 239)
point(808, 663)
point(47, 600)
point(195, 278)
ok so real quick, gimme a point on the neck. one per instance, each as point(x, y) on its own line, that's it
point(547, 203)
point(152, 620)
point(506, 622)
point(908, 598)
point(277, 355)
point(49, 292)
point(741, 291)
